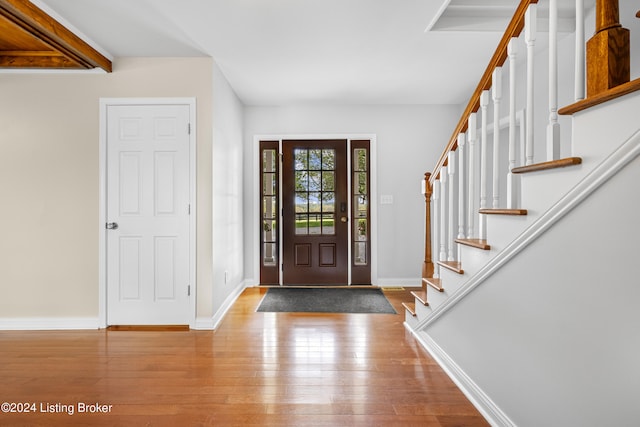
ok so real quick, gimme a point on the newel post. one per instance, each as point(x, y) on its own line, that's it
point(427, 265)
point(608, 51)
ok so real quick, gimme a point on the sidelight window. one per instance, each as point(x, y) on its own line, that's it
point(269, 189)
point(360, 212)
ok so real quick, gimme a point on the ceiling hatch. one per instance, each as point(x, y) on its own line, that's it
point(494, 15)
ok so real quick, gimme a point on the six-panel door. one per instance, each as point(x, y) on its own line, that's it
point(148, 199)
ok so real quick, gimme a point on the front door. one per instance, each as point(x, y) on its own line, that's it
point(148, 214)
point(315, 212)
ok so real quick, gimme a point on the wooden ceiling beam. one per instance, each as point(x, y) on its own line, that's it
point(47, 30)
point(37, 61)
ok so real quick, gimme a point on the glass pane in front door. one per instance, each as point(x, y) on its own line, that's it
point(315, 191)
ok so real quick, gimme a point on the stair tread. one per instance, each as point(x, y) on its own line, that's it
point(434, 283)
point(475, 243)
point(499, 211)
point(410, 307)
point(604, 96)
point(421, 296)
point(553, 164)
point(454, 266)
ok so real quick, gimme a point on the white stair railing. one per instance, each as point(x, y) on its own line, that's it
point(471, 204)
point(512, 185)
point(484, 104)
point(443, 214)
point(496, 92)
point(435, 226)
point(452, 197)
point(462, 140)
point(530, 29)
point(553, 128)
point(580, 67)
point(467, 182)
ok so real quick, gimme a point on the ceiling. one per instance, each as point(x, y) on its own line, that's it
point(288, 52)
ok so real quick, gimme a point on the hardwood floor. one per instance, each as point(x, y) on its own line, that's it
point(257, 369)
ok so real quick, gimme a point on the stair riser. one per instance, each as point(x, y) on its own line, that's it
point(410, 320)
point(423, 311)
point(502, 230)
point(473, 259)
point(450, 280)
point(540, 190)
point(593, 132)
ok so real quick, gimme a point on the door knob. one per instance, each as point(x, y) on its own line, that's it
point(344, 219)
point(112, 226)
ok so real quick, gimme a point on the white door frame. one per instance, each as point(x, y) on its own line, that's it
point(102, 219)
point(373, 196)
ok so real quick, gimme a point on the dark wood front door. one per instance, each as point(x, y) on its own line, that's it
point(315, 212)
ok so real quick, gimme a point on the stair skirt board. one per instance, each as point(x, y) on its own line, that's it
point(470, 389)
point(611, 165)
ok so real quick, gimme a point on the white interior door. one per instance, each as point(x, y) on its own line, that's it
point(147, 215)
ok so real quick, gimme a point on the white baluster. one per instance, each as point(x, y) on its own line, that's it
point(553, 128)
point(484, 103)
point(435, 226)
point(512, 184)
point(523, 136)
point(496, 91)
point(530, 29)
point(580, 52)
point(462, 138)
point(473, 136)
point(443, 211)
point(452, 193)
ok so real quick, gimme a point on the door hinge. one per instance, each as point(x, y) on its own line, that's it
point(189, 128)
point(188, 290)
point(189, 209)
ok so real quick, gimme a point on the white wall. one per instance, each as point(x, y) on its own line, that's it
point(49, 132)
point(409, 142)
point(228, 209)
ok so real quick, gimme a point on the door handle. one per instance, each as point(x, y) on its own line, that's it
point(112, 226)
point(344, 219)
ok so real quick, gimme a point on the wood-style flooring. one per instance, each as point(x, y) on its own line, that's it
point(256, 369)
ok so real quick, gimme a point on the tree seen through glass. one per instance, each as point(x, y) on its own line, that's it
point(314, 191)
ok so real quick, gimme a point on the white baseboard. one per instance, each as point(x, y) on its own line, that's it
point(204, 323)
point(471, 390)
point(214, 322)
point(398, 283)
point(48, 323)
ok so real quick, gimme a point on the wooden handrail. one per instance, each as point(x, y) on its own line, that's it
point(514, 29)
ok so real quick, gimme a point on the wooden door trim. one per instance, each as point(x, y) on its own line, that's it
point(252, 222)
point(102, 240)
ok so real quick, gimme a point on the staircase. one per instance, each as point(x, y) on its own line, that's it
point(490, 286)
